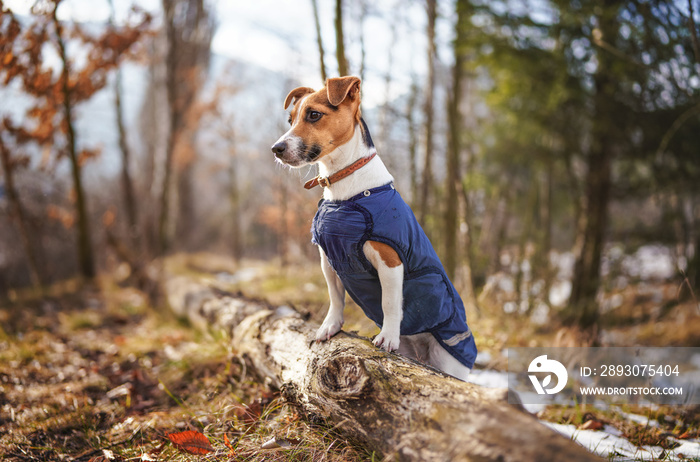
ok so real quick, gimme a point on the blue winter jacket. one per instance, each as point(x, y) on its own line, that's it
point(431, 303)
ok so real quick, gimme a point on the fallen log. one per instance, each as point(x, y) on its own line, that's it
point(386, 402)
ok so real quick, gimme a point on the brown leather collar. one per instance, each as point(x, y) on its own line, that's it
point(340, 174)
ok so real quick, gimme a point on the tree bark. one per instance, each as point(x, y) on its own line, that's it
point(188, 31)
point(361, 26)
point(454, 144)
point(693, 31)
point(387, 111)
point(471, 302)
point(164, 225)
point(590, 240)
point(413, 142)
point(127, 183)
point(427, 180)
point(392, 405)
point(86, 260)
point(694, 264)
point(319, 40)
point(17, 211)
point(340, 40)
point(236, 238)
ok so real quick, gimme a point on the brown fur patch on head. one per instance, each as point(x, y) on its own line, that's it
point(325, 119)
point(295, 95)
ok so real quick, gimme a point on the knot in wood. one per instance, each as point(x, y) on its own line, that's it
point(290, 392)
point(342, 377)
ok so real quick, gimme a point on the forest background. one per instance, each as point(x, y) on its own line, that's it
point(549, 148)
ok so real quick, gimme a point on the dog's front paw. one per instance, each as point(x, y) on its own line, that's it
point(328, 329)
point(387, 341)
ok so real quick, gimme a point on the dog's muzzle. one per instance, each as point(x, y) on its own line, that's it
point(279, 148)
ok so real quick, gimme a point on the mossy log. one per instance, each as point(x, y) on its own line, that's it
point(399, 408)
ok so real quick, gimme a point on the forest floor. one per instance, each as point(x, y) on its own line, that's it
point(92, 372)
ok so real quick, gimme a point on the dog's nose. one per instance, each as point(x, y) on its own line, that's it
point(279, 148)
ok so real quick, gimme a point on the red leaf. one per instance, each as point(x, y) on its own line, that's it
point(192, 442)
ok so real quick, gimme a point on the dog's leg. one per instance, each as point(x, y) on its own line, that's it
point(390, 269)
point(441, 359)
point(416, 346)
point(336, 291)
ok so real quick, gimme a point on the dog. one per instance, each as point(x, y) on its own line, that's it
point(369, 239)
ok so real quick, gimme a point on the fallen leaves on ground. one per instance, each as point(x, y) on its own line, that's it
point(192, 442)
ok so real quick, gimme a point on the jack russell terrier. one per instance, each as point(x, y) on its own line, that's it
point(370, 242)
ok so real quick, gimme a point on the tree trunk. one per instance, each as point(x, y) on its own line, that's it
point(319, 40)
point(390, 404)
point(583, 307)
point(589, 245)
point(469, 294)
point(523, 286)
point(127, 183)
point(386, 111)
point(17, 211)
point(427, 180)
point(186, 220)
point(693, 31)
point(340, 40)
point(234, 196)
point(695, 281)
point(694, 263)
point(361, 27)
point(164, 225)
point(148, 172)
point(413, 142)
point(454, 148)
point(543, 262)
point(85, 256)
point(188, 30)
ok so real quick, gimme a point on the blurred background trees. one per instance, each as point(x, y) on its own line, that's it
point(50, 122)
point(542, 144)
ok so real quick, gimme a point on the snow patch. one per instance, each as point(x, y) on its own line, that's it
point(651, 262)
point(243, 275)
point(611, 445)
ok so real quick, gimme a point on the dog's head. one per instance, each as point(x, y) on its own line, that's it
point(320, 121)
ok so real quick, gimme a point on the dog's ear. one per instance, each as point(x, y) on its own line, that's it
point(295, 95)
point(342, 87)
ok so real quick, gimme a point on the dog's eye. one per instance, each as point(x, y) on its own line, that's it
point(290, 120)
point(313, 116)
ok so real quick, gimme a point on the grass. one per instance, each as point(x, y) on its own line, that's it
point(91, 373)
point(86, 369)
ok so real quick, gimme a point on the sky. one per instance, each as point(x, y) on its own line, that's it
point(280, 35)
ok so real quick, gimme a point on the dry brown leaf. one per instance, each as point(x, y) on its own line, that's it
point(688, 435)
point(228, 444)
point(591, 425)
